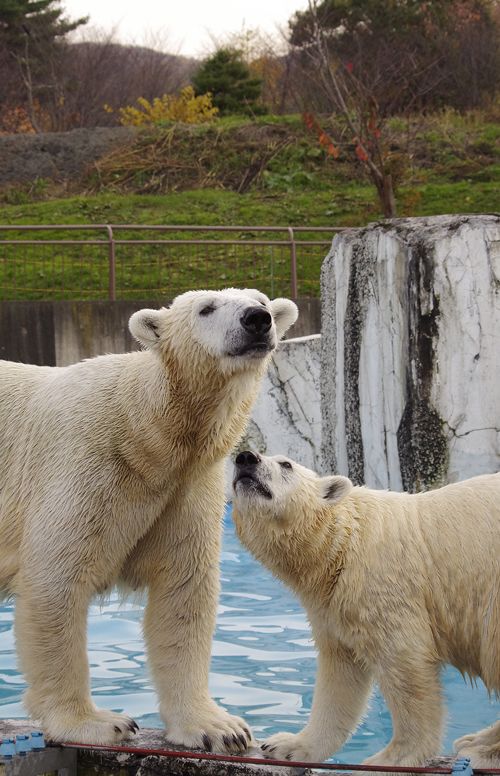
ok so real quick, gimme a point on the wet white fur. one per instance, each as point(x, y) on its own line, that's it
point(395, 586)
point(111, 471)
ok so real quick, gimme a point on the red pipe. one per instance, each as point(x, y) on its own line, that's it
point(262, 761)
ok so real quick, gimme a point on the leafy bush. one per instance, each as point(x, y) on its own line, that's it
point(186, 108)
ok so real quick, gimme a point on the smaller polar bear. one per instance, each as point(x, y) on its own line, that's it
point(395, 586)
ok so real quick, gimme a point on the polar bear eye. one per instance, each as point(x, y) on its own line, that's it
point(207, 310)
point(285, 464)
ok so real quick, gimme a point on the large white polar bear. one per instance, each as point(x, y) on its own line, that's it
point(395, 586)
point(112, 470)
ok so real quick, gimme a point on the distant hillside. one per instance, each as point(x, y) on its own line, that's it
point(131, 72)
point(95, 79)
point(271, 155)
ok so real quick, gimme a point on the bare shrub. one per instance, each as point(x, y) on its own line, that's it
point(100, 72)
point(87, 75)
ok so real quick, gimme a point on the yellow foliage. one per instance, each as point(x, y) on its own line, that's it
point(186, 107)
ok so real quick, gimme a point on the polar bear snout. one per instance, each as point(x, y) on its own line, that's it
point(257, 320)
point(247, 478)
point(247, 459)
point(258, 336)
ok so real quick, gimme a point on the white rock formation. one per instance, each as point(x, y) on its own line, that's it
point(410, 351)
point(287, 415)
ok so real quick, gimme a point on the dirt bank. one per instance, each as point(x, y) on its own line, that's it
point(56, 155)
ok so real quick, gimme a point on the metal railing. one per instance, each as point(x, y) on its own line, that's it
point(157, 262)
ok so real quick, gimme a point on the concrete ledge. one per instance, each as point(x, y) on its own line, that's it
point(102, 763)
point(97, 762)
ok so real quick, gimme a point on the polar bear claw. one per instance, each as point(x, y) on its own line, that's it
point(97, 727)
point(288, 746)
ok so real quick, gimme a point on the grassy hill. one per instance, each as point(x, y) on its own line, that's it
point(271, 171)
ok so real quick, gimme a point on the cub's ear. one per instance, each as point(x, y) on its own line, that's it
point(145, 326)
point(333, 489)
point(285, 313)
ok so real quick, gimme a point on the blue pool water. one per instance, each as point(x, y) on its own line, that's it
point(263, 663)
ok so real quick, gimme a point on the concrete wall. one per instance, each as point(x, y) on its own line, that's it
point(62, 333)
point(410, 367)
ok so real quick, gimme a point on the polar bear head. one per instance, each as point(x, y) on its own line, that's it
point(284, 513)
point(282, 489)
point(232, 327)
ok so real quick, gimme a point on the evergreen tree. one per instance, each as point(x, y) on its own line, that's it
point(228, 79)
point(33, 32)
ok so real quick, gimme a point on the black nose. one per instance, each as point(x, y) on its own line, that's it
point(257, 319)
point(247, 458)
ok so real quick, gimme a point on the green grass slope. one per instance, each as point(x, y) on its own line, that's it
point(267, 171)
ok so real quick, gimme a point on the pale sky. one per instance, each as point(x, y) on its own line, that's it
point(187, 25)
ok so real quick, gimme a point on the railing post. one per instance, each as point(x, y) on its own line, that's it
point(272, 271)
point(293, 265)
point(112, 264)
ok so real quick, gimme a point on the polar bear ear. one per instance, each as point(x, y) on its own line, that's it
point(285, 313)
point(145, 326)
point(253, 293)
point(335, 488)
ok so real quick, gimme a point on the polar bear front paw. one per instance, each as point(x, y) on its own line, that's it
point(98, 727)
point(396, 754)
point(462, 743)
point(482, 748)
point(290, 746)
point(221, 732)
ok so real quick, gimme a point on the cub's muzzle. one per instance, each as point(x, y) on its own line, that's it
point(246, 474)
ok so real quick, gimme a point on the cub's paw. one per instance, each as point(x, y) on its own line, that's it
point(291, 746)
point(461, 743)
point(97, 727)
point(482, 748)
point(221, 732)
point(480, 755)
point(395, 755)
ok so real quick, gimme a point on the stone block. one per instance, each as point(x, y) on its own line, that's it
point(410, 369)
